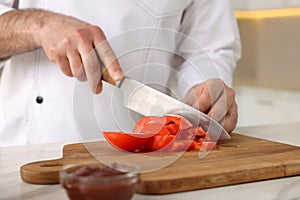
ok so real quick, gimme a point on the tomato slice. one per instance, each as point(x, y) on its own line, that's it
point(159, 142)
point(169, 124)
point(151, 125)
point(182, 122)
point(161, 133)
point(163, 128)
point(194, 146)
point(126, 141)
point(182, 145)
point(208, 145)
point(172, 128)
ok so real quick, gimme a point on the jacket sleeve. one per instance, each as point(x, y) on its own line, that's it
point(210, 45)
point(5, 6)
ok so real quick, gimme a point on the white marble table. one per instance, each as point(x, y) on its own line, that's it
point(12, 187)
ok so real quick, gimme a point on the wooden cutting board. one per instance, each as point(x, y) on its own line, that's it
point(238, 160)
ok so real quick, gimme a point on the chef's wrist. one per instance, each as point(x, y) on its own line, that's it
point(25, 25)
point(40, 19)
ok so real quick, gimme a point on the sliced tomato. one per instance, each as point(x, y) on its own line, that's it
point(126, 141)
point(163, 128)
point(181, 145)
point(169, 124)
point(161, 133)
point(208, 145)
point(151, 125)
point(182, 122)
point(159, 142)
point(194, 146)
point(172, 128)
point(200, 132)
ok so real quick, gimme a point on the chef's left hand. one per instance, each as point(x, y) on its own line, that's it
point(217, 100)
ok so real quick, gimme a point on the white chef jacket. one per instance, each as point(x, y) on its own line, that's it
point(160, 42)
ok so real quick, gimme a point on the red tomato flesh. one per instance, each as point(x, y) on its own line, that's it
point(165, 133)
point(126, 141)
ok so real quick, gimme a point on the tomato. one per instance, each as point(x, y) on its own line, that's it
point(126, 141)
point(200, 132)
point(181, 145)
point(164, 130)
point(151, 125)
point(208, 145)
point(169, 124)
point(195, 146)
point(161, 133)
point(159, 142)
point(182, 122)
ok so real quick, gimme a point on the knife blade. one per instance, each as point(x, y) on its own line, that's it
point(150, 102)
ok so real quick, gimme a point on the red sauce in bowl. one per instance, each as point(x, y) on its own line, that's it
point(97, 181)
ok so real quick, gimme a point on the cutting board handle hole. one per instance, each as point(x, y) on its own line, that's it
point(230, 145)
point(52, 165)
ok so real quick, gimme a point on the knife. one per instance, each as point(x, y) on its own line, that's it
point(150, 102)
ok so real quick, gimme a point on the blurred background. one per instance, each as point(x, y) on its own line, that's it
point(267, 78)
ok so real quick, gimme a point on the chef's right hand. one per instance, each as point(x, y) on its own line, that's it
point(71, 44)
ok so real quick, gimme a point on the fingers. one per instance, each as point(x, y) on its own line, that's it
point(107, 77)
point(225, 110)
point(90, 64)
point(93, 72)
point(63, 64)
point(223, 104)
point(72, 46)
point(94, 57)
point(81, 76)
point(199, 98)
point(76, 65)
point(206, 100)
point(205, 95)
point(217, 100)
point(109, 59)
point(231, 118)
point(219, 109)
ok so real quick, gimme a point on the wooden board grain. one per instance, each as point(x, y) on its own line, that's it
point(238, 160)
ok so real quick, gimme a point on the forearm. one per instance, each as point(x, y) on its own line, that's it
point(17, 31)
point(66, 40)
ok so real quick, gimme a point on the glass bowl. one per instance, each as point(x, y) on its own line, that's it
point(112, 181)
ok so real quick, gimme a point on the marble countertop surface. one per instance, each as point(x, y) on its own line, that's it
point(12, 187)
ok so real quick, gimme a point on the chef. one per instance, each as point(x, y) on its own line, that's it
point(51, 77)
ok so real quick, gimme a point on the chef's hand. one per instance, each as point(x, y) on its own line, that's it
point(70, 43)
point(217, 100)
